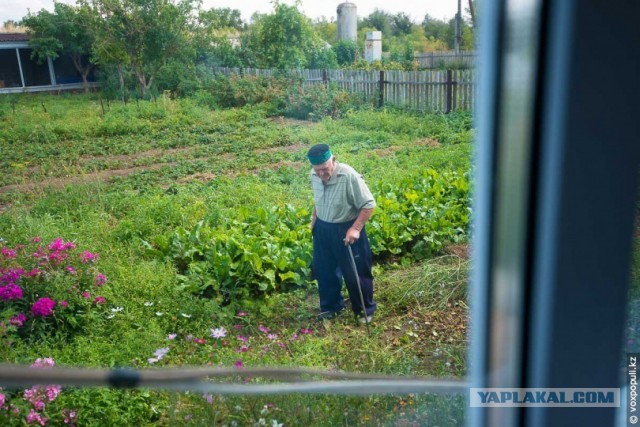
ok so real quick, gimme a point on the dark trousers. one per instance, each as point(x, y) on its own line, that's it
point(331, 263)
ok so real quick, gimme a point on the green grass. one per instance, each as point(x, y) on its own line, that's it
point(198, 164)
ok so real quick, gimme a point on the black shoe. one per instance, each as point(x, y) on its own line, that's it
point(328, 315)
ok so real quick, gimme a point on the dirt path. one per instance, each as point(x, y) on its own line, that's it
point(81, 179)
point(104, 175)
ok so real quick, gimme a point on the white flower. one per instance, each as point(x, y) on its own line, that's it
point(148, 304)
point(117, 309)
point(274, 423)
point(185, 315)
point(111, 316)
point(159, 313)
point(218, 333)
point(265, 410)
point(159, 353)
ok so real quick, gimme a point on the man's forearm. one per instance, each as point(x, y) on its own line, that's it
point(362, 218)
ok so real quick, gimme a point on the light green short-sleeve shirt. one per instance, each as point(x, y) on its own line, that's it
point(343, 196)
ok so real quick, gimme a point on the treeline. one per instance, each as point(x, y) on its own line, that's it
point(143, 47)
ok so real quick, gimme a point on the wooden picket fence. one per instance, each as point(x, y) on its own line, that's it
point(427, 90)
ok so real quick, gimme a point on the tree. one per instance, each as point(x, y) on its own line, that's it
point(328, 30)
point(143, 36)
point(215, 36)
point(10, 26)
point(380, 20)
point(435, 28)
point(401, 24)
point(221, 19)
point(284, 39)
point(66, 31)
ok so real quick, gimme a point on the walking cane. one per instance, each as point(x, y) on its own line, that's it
point(355, 271)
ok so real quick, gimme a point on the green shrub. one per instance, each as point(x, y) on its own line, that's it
point(237, 261)
point(347, 52)
point(318, 101)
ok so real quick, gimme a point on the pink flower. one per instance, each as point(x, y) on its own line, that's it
point(11, 275)
point(209, 398)
point(99, 300)
point(43, 307)
point(2, 400)
point(87, 257)
point(18, 320)
point(47, 362)
point(33, 273)
point(294, 337)
point(69, 416)
point(242, 313)
point(71, 269)
point(243, 349)
point(52, 392)
point(37, 239)
point(30, 394)
point(56, 245)
point(237, 327)
point(242, 338)
point(172, 336)
point(64, 303)
point(199, 340)
point(263, 329)
point(8, 253)
point(239, 364)
point(100, 280)
point(35, 417)
point(86, 295)
point(10, 292)
point(272, 336)
point(57, 257)
point(306, 331)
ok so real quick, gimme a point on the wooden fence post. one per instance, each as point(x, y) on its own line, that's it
point(449, 99)
point(325, 80)
point(381, 89)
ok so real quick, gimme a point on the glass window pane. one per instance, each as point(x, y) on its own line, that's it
point(66, 71)
point(9, 69)
point(34, 74)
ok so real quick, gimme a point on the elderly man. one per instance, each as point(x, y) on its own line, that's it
point(343, 204)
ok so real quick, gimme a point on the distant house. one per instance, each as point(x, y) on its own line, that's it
point(20, 73)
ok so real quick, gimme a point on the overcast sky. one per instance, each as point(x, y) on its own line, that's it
point(416, 9)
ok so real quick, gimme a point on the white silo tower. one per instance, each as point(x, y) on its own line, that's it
point(347, 21)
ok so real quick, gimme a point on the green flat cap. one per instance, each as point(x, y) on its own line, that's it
point(318, 154)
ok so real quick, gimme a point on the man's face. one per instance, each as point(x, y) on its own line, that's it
point(325, 170)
